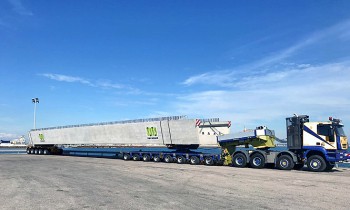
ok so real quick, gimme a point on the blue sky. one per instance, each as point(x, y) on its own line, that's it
point(251, 62)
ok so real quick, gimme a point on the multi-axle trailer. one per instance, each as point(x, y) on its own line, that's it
point(318, 144)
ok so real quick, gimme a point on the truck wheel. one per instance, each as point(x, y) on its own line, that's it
point(285, 162)
point(136, 157)
point(257, 161)
point(298, 166)
point(146, 158)
point(36, 151)
point(28, 151)
point(239, 160)
point(194, 160)
point(32, 151)
point(41, 151)
point(168, 159)
point(181, 159)
point(126, 156)
point(330, 166)
point(156, 158)
point(316, 163)
point(209, 161)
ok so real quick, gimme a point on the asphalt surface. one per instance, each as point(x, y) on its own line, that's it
point(66, 182)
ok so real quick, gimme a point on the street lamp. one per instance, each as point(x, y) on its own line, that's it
point(35, 101)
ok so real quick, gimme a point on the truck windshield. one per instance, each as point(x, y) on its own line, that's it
point(339, 130)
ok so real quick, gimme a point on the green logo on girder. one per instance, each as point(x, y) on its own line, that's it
point(41, 137)
point(152, 133)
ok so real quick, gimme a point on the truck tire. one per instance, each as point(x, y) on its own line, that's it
point(32, 151)
point(316, 163)
point(28, 151)
point(257, 160)
point(146, 158)
point(298, 166)
point(136, 157)
point(285, 162)
point(329, 166)
point(239, 160)
point(194, 160)
point(209, 161)
point(168, 159)
point(156, 158)
point(181, 160)
point(126, 156)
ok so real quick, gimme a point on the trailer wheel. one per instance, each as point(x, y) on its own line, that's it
point(28, 151)
point(136, 157)
point(168, 159)
point(181, 160)
point(156, 158)
point(46, 152)
point(36, 151)
point(32, 151)
point(284, 162)
point(257, 160)
point(126, 156)
point(194, 160)
point(316, 163)
point(146, 158)
point(209, 161)
point(239, 160)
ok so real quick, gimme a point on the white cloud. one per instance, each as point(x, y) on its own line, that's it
point(65, 78)
point(318, 91)
point(19, 8)
point(340, 31)
point(8, 136)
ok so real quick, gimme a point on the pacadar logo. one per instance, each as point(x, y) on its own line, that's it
point(41, 137)
point(152, 133)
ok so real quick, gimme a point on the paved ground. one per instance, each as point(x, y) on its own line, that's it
point(63, 182)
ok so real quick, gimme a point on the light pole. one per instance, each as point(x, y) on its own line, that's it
point(35, 101)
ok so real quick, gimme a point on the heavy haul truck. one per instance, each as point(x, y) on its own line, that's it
point(318, 144)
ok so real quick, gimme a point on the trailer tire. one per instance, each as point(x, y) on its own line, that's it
point(316, 163)
point(46, 152)
point(257, 160)
point(32, 151)
point(136, 157)
point(194, 160)
point(146, 158)
point(168, 159)
point(239, 160)
point(156, 158)
point(181, 159)
point(36, 151)
point(209, 161)
point(28, 151)
point(126, 156)
point(285, 162)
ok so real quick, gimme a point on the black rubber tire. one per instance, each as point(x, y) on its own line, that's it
point(46, 152)
point(32, 151)
point(181, 159)
point(194, 160)
point(285, 162)
point(329, 166)
point(168, 159)
point(136, 157)
point(257, 160)
point(126, 157)
point(239, 160)
point(316, 163)
point(298, 166)
point(209, 161)
point(146, 158)
point(156, 158)
point(28, 151)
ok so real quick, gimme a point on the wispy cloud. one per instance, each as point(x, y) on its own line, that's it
point(319, 91)
point(340, 31)
point(103, 84)
point(19, 8)
point(8, 136)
